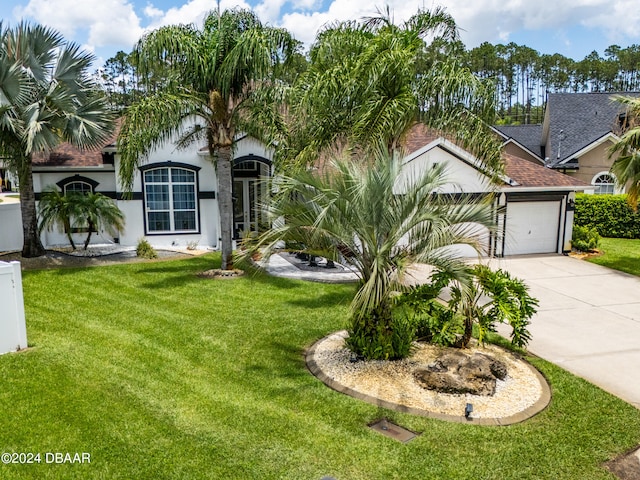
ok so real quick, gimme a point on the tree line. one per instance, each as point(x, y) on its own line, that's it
point(522, 76)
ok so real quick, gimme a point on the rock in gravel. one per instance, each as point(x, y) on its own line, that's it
point(459, 373)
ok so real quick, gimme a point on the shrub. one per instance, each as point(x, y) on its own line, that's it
point(375, 341)
point(610, 215)
point(585, 239)
point(433, 322)
point(442, 327)
point(145, 250)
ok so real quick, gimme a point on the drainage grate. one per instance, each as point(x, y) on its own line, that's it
point(392, 430)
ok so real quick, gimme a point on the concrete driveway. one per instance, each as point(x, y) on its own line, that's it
point(588, 321)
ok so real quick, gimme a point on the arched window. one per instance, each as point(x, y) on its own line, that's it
point(604, 183)
point(170, 200)
point(77, 187)
point(77, 184)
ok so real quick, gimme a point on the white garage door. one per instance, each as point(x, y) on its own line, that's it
point(532, 227)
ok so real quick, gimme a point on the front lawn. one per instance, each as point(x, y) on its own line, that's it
point(620, 253)
point(159, 374)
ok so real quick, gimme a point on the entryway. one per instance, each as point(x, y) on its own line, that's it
point(250, 186)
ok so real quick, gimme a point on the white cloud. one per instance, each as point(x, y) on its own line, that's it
point(152, 12)
point(194, 12)
point(108, 22)
point(269, 10)
point(115, 24)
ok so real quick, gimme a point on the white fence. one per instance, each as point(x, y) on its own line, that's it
point(10, 227)
point(13, 330)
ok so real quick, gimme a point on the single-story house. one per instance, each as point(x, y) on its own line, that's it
point(173, 200)
point(174, 196)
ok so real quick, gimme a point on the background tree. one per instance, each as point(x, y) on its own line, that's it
point(46, 98)
point(626, 167)
point(383, 223)
point(212, 75)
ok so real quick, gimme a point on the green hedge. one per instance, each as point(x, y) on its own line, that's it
point(609, 214)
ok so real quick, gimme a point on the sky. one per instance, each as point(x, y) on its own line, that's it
point(573, 28)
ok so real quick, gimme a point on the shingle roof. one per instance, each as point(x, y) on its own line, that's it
point(419, 136)
point(66, 155)
point(579, 119)
point(528, 174)
point(529, 136)
point(524, 172)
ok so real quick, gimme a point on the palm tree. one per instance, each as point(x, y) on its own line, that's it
point(383, 224)
point(77, 211)
point(626, 168)
point(46, 98)
point(57, 209)
point(212, 75)
point(99, 212)
point(368, 83)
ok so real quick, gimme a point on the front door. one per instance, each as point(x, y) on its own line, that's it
point(246, 204)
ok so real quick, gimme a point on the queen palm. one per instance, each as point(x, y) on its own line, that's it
point(626, 167)
point(213, 75)
point(383, 223)
point(368, 83)
point(46, 98)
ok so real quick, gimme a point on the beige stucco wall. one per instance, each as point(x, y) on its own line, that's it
point(593, 162)
point(517, 151)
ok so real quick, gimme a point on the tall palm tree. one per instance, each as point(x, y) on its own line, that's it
point(368, 83)
point(383, 222)
point(626, 167)
point(46, 98)
point(212, 75)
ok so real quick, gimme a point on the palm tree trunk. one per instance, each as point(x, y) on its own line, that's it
point(31, 246)
point(67, 228)
point(225, 202)
point(88, 239)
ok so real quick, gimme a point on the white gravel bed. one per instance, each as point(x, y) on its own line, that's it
point(394, 382)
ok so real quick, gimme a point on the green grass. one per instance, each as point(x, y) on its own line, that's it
point(160, 374)
point(619, 253)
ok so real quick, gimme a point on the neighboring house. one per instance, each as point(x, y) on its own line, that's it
point(534, 204)
point(173, 201)
point(575, 137)
point(174, 197)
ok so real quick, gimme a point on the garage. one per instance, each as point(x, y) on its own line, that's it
point(532, 227)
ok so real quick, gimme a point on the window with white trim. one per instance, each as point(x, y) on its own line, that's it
point(170, 200)
point(604, 183)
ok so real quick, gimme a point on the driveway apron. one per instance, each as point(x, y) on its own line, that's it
point(588, 320)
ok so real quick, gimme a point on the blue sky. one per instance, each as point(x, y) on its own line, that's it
point(571, 27)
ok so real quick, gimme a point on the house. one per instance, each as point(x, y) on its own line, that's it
point(174, 201)
point(574, 138)
point(534, 204)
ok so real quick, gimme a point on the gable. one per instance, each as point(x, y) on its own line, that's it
point(460, 167)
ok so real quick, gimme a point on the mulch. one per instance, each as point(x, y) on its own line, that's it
point(57, 259)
